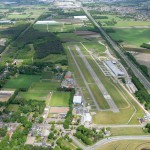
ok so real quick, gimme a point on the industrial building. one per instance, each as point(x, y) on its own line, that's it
point(52, 22)
point(81, 17)
point(77, 99)
point(115, 71)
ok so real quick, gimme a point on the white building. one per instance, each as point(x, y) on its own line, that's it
point(87, 118)
point(52, 22)
point(77, 99)
point(113, 68)
point(81, 17)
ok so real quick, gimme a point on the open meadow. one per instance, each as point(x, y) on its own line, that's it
point(59, 99)
point(21, 81)
point(132, 36)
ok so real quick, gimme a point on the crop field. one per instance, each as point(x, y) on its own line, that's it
point(122, 22)
point(128, 36)
point(60, 99)
point(21, 81)
point(26, 13)
point(127, 145)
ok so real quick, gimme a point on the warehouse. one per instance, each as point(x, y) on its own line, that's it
point(113, 68)
point(52, 22)
point(77, 99)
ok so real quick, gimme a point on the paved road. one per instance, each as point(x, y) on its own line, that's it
point(97, 126)
point(89, 90)
point(106, 95)
point(135, 70)
point(77, 142)
point(116, 138)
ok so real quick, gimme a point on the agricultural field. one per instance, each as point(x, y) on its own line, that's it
point(26, 13)
point(59, 99)
point(120, 21)
point(21, 81)
point(126, 144)
point(128, 36)
point(40, 90)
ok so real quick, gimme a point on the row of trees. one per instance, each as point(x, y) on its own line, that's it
point(142, 94)
point(84, 134)
point(69, 116)
point(144, 45)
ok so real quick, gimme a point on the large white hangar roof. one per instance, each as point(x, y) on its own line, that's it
point(47, 22)
point(114, 68)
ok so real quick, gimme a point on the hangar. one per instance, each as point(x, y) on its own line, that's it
point(114, 69)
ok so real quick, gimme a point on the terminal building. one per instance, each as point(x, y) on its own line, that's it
point(115, 71)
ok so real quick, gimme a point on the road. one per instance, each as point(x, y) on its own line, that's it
point(89, 90)
point(116, 138)
point(101, 87)
point(134, 68)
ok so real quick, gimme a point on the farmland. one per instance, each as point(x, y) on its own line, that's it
point(119, 21)
point(128, 36)
point(21, 81)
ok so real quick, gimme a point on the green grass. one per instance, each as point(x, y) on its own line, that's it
point(99, 96)
point(126, 145)
point(42, 28)
point(44, 86)
point(60, 99)
point(94, 46)
point(39, 90)
point(70, 37)
point(12, 107)
point(21, 81)
point(47, 75)
point(132, 36)
point(123, 22)
point(37, 95)
point(127, 131)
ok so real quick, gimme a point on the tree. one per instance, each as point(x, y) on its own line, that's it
point(51, 135)
point(41, 119)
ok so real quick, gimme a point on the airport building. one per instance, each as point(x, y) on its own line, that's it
point(111, 65)
point(77, 99)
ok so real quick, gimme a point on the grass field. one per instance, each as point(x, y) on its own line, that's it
point(37, 95)
point(12, 107)
point(127, 145)
point(21, 81)
point(132, 36)
point(44, 86)
point(99, 96)
point(39, 90)
point(94, 47)
point(70, 37)
point(127, 131)
point(60, 99)
point(123, 22)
